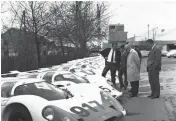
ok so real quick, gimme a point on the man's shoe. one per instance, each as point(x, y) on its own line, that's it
point(131, 95)
point(114, 85)
point(125, 88)
point(149, 96)
point(154, 97)
point(121, 87)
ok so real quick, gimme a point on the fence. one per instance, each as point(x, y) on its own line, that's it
point(9, 63)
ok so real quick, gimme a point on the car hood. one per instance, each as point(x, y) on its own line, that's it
point(96, 79)
point(101, 82)
point(87, 89)
point(69, 104)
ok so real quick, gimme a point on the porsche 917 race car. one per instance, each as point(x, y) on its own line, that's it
point(97, 70)
point(64, 78)
point(35, 100)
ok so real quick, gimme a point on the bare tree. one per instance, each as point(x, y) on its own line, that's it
point(75, 23)
point(36, 19)
point(80, 23)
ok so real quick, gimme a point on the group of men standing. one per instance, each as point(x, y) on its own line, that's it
point(127, 61)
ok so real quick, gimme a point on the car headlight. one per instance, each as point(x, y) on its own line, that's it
point(4, 101)
point(104, 94)
point(66, 119)
point(48, 114)
point(113, 101)
point(105, 89)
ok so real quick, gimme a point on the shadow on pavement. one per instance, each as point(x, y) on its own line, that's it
point(132, 113)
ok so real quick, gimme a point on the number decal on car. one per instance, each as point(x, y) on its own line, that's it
point(83, 112)
point(80, 111)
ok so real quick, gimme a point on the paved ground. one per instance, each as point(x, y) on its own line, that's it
point(142, 108)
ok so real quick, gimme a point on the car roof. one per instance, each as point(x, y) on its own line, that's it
point(16, 79)
point(60, 71)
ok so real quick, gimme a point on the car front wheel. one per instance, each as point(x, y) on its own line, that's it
point(17, 113)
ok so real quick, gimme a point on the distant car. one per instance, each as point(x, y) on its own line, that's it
point(171, 53)
point(164, 52)
point(35, 100)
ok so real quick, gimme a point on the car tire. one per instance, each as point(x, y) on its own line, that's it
point(17, 113)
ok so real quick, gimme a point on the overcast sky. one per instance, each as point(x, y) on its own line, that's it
point(137, 15)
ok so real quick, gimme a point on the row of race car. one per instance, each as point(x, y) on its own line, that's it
point(73, 91)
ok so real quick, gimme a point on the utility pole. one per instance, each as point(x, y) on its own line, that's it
point(25, 43)
point(148, 31)
point(153, 34)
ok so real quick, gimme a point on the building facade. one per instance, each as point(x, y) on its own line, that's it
point(117, 35)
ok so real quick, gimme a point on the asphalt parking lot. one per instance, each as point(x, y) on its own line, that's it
point(142, 108)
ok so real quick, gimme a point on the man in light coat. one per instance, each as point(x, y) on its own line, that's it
point(133, 70)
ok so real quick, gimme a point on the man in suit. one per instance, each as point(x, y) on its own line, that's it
point(123, 69)
point(112, 61)
point(153, 68)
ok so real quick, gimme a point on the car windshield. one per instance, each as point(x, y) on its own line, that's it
point(33, 76)
point(65, 68)
point(70, 77)
point(89, 72)
point(41, 89)
point(6, 89)
point(48, 76)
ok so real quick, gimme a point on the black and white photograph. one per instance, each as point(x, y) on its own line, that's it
point(88, 60)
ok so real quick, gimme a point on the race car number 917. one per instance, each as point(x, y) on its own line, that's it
point(83, 112)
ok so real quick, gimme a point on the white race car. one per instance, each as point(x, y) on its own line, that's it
point(98, 71)
point(171, 53)
point(35, 100)
point(65, 78)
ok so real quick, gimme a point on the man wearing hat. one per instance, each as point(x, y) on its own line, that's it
point(112, 61)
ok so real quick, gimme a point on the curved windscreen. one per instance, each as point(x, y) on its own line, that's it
point(41, 89)
point(6, 88)
point(70, 77)
point(89, 72)
point(48, 76)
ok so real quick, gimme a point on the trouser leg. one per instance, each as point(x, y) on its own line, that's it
point(113, 73)
point(155, 80)
point(105, 70)
point(150, 76)
point(125, 79)
point(134, 87)
point(120, 74)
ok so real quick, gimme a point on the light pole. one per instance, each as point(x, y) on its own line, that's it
point(154, 33)
point(148, 31)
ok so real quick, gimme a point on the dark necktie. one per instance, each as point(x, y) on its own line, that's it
point(112, 56)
